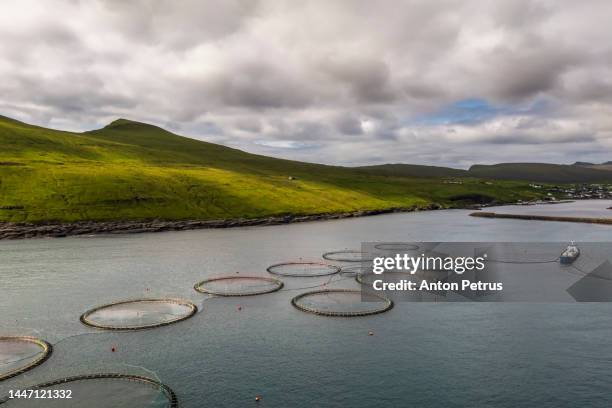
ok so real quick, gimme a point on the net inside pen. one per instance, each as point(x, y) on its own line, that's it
point(341, 303)
point(139, 314)
point(98, 391)
point(238, 285)
point(303, 269)
point(21, 353)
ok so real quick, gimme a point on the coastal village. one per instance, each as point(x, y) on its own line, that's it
point(576, 191)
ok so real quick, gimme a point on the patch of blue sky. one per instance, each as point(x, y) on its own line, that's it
point(473, 111)
point(287, 144)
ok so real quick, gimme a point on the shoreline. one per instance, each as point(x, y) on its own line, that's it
point(24, 230)
point(20, 230)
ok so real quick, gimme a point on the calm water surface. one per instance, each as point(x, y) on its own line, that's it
point(422, 355)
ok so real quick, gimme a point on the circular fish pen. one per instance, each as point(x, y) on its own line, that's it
point(238, 285)
point(535, 253)
point(303, 269)
point(349, 255)
point(138, 314)
point(99, 390)
point(19, 354)
point(341, 303)
point(396, 246)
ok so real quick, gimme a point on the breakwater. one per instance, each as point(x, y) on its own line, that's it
point(587, 220)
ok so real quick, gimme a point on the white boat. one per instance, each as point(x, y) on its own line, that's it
point(570, 254)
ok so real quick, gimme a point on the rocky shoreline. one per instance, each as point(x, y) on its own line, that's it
point(60, 230)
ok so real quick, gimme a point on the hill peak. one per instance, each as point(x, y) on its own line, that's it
point(127, 123)
point(120, 121)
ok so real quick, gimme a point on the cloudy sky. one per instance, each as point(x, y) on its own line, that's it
point(344, 82)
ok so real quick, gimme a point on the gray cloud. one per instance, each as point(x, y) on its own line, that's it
point(257, 85)
point(367, 79)
point(348, 124)
point(338, 82)
point(175, 26)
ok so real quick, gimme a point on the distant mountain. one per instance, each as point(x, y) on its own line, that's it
point(542, 172)
point(603, 166)
point(539, 172)
point(413, 170)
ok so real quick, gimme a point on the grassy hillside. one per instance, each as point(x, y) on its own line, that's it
point(129, 170)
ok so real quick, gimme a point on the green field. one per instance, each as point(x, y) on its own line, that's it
point(134, 171)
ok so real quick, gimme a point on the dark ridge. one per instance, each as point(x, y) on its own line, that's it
point(412, 170)
point(541, 172)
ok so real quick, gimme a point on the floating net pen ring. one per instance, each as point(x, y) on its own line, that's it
point(259, 285)
point(170, 396)
point(349, 255)
point(360, 278)
point(352, 270)
point(138, 314)
point(29, 352)
point(396, 246)
point(301, 302)
point(303, 269)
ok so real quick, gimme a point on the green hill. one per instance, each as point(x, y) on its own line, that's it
point(133, 171)
point(542, 172)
